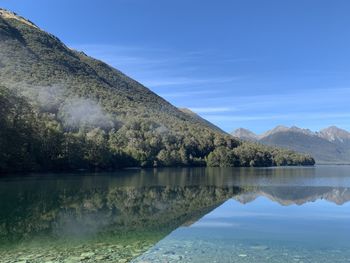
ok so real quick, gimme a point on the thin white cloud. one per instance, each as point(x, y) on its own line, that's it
point(133, 59)
point(154, 67)
point(291, 99)
point(288, 94)
point(108, 48)
point(237, 60)
point(175, 81)
point(281, 117)
point(181, 94)
point(211, 109)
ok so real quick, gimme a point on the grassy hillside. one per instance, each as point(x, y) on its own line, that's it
point(61, 109)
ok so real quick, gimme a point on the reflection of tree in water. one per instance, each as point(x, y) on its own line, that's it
point(81, 212)
point(70, 216)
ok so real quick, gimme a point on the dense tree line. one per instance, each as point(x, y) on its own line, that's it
point(34, 138)
point(249, 154)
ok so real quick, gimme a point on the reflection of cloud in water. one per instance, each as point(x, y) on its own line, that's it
point(69, 224)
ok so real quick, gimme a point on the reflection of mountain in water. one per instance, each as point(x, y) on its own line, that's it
point(285, 195)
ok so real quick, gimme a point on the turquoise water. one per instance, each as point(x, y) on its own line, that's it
point(178, 215)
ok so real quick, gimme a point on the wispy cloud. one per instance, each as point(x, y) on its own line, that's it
point(117, 55)
point(183, 94)
point(175, 81)
point(289, 100)
point(105, 48)
point(281, 117)
point(134, 54)
point(155, 67)
point(212, 109)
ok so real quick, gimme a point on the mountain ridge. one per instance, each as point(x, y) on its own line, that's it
point(329, 145)
point(330, 133)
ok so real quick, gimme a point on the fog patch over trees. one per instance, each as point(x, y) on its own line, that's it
point(74, 112)
point(49, 98)
point(80, 112)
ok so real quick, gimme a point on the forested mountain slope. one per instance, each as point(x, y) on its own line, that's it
point(61, 109)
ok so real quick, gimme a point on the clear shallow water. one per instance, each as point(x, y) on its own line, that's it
point(178, 215)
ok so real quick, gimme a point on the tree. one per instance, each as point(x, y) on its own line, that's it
point(97, 153)
point(18, 132)
point(222, 157)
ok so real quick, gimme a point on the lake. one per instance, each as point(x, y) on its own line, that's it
point(287, 214)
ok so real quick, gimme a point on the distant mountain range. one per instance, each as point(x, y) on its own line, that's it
point(330, 145)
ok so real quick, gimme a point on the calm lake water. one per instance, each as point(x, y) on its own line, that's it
point(178, 215)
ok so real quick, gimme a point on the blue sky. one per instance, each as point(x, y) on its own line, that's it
point(238, 63)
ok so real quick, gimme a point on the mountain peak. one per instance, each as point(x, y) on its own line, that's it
point(333, 133)
point(281, 128)
point(245, 134)
point(334, 129)
point(11, 15)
